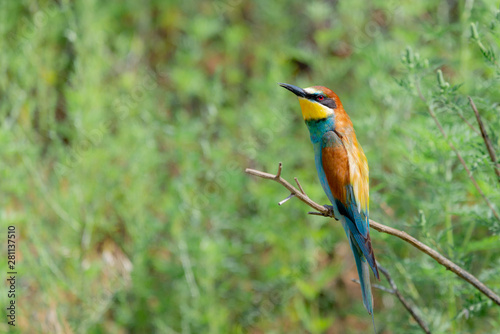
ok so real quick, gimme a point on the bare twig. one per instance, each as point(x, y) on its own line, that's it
point(287, 185)
point(280, 167)
point(486, 139)
point(459, 156)
point(395, 291)
point(403, 301)
point(459, 271)
point(286, 199)
point(468, 123)
point(298, 184)
point(376, 286)
point(324, 211)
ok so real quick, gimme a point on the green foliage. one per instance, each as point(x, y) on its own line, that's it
point(126, 128)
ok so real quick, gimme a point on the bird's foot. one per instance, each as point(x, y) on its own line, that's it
point(331, 212)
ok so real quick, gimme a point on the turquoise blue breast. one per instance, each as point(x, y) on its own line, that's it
point(317, 129)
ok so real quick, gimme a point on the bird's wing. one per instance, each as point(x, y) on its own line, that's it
point(346, 171)
point(358, 172)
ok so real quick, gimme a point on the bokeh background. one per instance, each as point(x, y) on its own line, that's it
point(126, 127)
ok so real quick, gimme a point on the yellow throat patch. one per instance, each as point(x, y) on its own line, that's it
point(312, 110)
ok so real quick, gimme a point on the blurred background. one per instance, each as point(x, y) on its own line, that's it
point(126, 127)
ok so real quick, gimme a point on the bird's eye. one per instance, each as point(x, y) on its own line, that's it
point(320, 98)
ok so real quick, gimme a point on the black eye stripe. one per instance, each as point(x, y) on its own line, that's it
point(314, 96)
point(330, 103)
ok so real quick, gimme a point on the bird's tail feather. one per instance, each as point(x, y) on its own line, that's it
point(364, 280)
point(363, 272)
point(364, 276)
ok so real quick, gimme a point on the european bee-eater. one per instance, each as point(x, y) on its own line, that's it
point(343, 172)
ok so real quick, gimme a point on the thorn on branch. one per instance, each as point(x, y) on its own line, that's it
point(286, 199)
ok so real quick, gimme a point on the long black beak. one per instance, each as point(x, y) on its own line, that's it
point(294, 89)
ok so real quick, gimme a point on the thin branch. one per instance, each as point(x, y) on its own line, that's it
point(459, 271)
point(376, 286)
point(300, 187)
point(459, 156)
point(280, 167)
point(486, 139)
point(286, 199)
point(403, 301)
point(468, 123)
point(395, 291)
point(287, 185)
point(325, 211)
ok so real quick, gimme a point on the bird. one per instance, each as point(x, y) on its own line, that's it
point(342, 169)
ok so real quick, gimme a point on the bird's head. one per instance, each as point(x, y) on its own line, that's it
point(316, 102)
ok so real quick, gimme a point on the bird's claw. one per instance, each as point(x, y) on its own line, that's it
point(331, 212)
